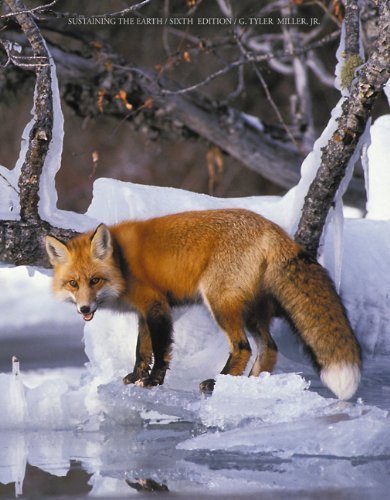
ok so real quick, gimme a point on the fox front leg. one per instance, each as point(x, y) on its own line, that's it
point(159, 323)
point(143, 355)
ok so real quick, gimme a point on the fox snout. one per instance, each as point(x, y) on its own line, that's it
point(87, 311)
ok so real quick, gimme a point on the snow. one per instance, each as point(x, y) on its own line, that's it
point(378, 205)
point(9, 199)
point(47, 192)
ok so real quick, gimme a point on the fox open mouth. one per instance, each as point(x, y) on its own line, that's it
point(87, 316)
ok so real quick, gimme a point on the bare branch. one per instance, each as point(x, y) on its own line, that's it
point(315, 64)
point(119, 13)
point(268, 94)
point(40, 9)
point(20, 61)
point(249, 59)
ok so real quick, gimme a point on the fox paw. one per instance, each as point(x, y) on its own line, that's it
point(134, 377)
point(207, 386)
point(155, 378)
point(148, 382)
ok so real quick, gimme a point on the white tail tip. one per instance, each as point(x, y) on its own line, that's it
point(342, 379)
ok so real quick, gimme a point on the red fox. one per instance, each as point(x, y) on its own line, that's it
point(242, 266)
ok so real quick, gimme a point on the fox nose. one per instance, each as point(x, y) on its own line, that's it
point(85, 309)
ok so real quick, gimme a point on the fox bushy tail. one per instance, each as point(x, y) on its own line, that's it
point(308, 297)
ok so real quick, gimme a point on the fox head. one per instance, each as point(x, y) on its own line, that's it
point(85, 271)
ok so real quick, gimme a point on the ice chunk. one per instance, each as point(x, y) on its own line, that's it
point(13, 458)
point(12, 398)
point(338, 435)
point(130, 405)
point(268, 398)
point(277, 414)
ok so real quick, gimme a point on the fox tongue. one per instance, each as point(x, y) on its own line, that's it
point(88, 316)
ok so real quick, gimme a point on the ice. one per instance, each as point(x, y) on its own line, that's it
point(365, 290)
point(278, 414)
point(337, 436)
point(130, 404)
point(367, 435)
point(12, 398)
point(13, 463)
point(51, 404)
point(268, 398)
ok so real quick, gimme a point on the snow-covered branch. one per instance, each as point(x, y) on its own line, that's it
point(21, 240)
point(356, 110)
point(41, 132)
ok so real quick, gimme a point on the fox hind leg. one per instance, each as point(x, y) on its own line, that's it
point(229, 315)
point(258, 322)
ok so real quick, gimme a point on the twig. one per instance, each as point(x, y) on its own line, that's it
point(9, 184)
point(269, 97)
point(18, 60)
point(251, 58)
point(40, 8)
point(119, 13)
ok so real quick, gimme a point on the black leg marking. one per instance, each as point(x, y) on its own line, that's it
point(159, 321)
point(143, 357)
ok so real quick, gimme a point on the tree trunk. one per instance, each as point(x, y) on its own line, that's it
point(336, 155)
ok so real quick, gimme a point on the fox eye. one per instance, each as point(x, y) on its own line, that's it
point(73, 283)
point(94, 281)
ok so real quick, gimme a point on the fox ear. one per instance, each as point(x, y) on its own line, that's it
point(101, 243)
point(56, 250)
